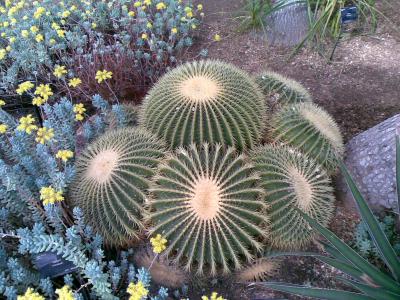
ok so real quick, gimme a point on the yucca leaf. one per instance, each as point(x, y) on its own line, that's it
point(375, 292)
point(398, 172)
point(378, 236)
point(371, 271)
point(315, 292)
point(334, 252)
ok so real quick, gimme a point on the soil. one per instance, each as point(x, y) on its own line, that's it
point(360, 88)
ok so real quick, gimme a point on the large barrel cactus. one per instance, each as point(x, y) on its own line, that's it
point(293, 181)
point(206, 101)
point(207, 205)
point(309, 128)
point(112, 181)
point(283, 90)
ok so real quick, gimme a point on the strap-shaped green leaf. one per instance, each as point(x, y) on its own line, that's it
point(334, 252)
point(375, 292)
point(378, 236)
point(371, 271)
point(315, 292)
point(345, 268)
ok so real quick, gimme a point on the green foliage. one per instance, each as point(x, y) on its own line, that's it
point(206, 101)
point(368, 281)
point(283, 90)
point(292, 182)
point(365, 245)
point(112, 180)
point(79, 33)
point(207, 205)
point(310, 129)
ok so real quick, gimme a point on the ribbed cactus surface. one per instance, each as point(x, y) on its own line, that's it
point(112, 182)
point(310, 129)
point(206, 203)
point(205, 101)
point(293, 181)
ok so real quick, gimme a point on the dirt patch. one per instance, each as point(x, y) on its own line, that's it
point(360, 88)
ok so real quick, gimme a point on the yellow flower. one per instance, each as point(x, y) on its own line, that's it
point(144, 36)
point(79, 108)
point(44, 91)
point(34, 29)
point(194, 26)
point(189, 14)
point(3, 34)
point(39, 12)
point(12, 39)
point(61, 33)
point(149, 25)
point(2, 102)
point(25, 33)
point(94, 25)
point(137, 4)
point(30, 294)
point(103, 75)
point(59, 71)
point(200, 7)
point(137, 291)
point(38, 101)
point(25, 18)
point(79, 117)
point(174, 30)
point(50, 196)
point(217, 37)
point(66, 14)
point(13, 21)
point(44, 134)
point(55, 26)
point(214, 296)
point(39, 38)
point(161, 6)
point(6, 24)
point(74, 82)
point(131, 13)
point(52, 41)
point(147, 2)
point(25, 124)
point(24, 87)
point(3, 53)
point(73, 8)
point(159, 243)
point(65, 293)
point(64, 155)
point(3, 128)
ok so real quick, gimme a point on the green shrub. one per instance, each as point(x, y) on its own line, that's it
point(206, 101)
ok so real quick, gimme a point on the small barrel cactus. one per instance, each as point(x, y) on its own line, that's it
point(284, 90)
point(293, 181)
point(310, 129)
point(258, 270)
point(112, 181)
point(207, 205)
point(205, 101)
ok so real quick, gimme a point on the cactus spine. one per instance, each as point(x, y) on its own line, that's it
point(206, 101)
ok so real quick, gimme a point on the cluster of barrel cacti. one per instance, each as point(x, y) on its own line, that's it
point(215, 170)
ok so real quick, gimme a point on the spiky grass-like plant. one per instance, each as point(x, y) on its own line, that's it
point(112, 180)
point(207, 205)
point(205, 101)
point(309, 128)
point(286, 90)
point(162, 270)
point(293, 181)
point(259, 270)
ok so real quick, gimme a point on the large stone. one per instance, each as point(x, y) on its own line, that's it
point(371, 159)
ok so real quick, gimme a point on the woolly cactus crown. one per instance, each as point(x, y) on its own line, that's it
point(112, 181)
point(205, 101)
point(293, 181)
point(206, 203)
point(310, 129)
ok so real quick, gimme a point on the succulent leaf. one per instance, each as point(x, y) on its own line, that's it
point(112, 182)
point(293, 181)
point(205, 101)
point(207, 205)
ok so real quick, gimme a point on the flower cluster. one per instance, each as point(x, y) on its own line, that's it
point(64, 155)
point(30, 294)
point(50, 196)
point(26, 124)
point(159, 243)
point(137, 291)
point(79, 110)
point(214, 296)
